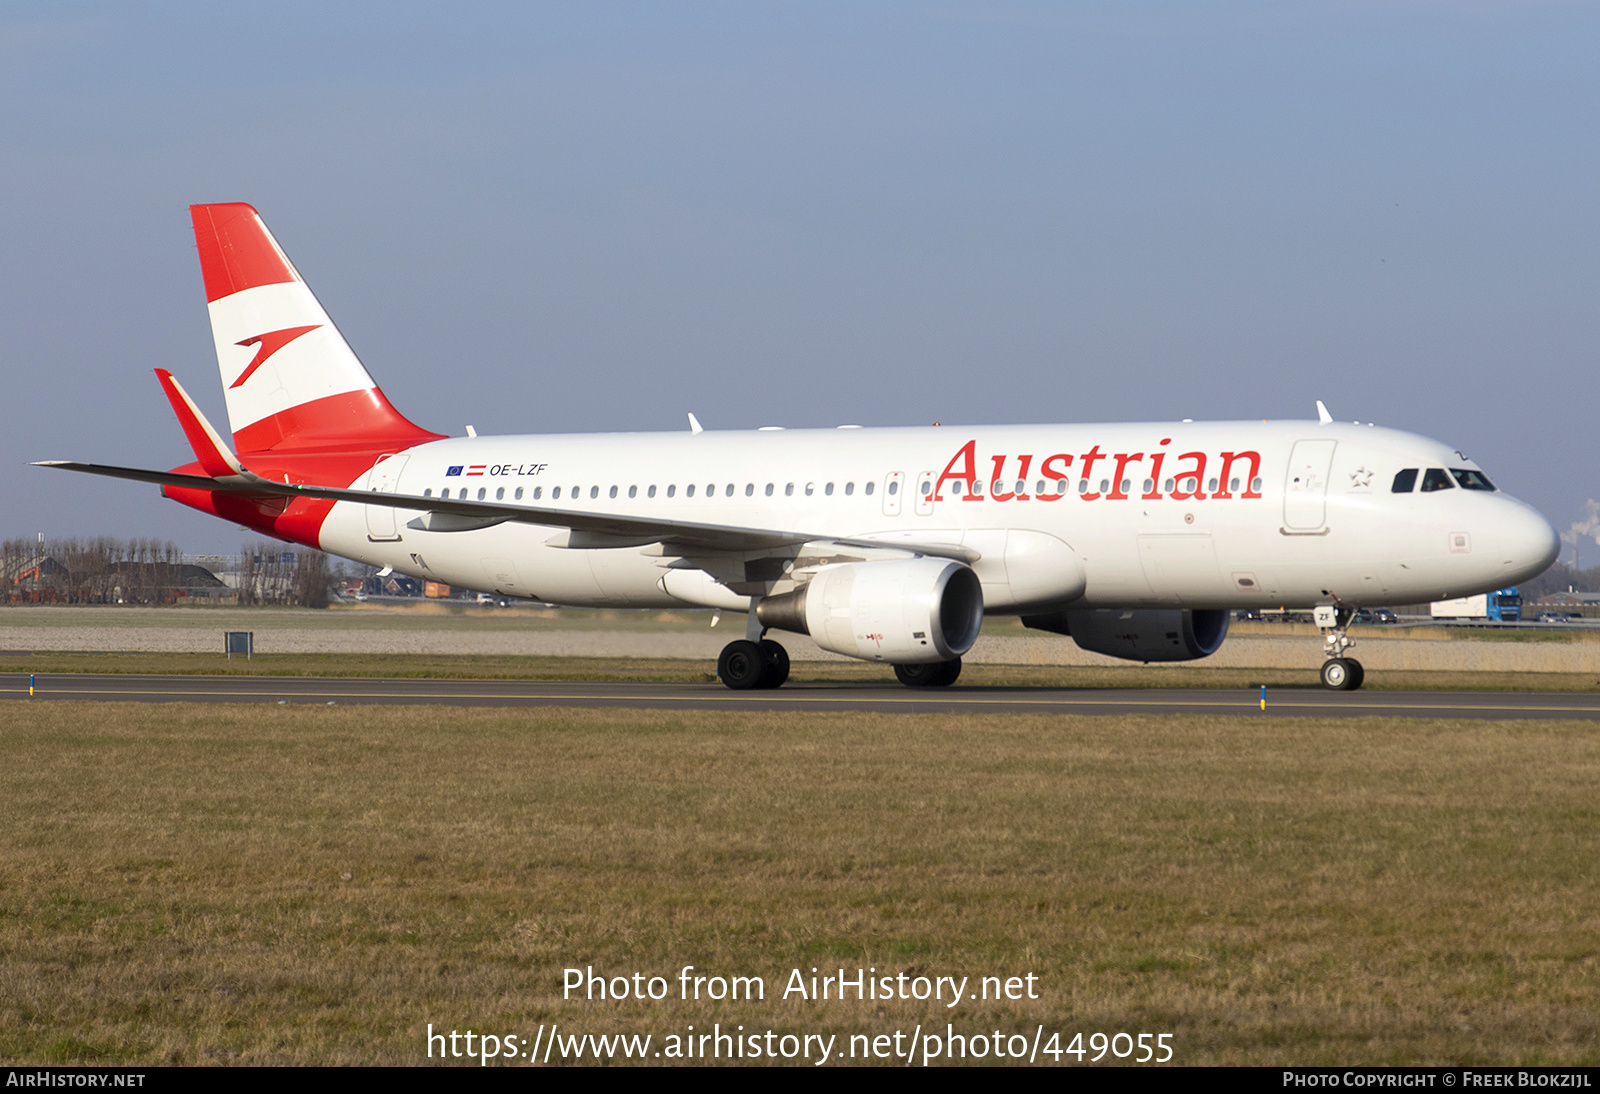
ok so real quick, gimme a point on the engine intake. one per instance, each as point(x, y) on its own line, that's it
point(904, 611)
point(1145, 635)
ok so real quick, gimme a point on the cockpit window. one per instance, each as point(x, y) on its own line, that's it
point(1471, 480)
point(1436, 478)
point(1404, 481)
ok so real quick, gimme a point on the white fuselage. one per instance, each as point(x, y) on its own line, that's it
point(1305, 513)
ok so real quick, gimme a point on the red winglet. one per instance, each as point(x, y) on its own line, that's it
point(236, 250)
point(215, 459)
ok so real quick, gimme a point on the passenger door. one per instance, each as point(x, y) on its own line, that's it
point(384, 478)
point(1305, 489)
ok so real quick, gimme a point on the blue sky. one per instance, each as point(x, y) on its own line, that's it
point(558, 217)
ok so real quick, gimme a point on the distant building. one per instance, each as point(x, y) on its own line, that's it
point(1572, 600)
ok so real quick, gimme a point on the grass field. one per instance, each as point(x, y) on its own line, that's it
point(14, 670)
point(261, 884)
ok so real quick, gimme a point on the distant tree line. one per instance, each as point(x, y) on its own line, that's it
point(104, 570)
point(1558, 579)
point(269, 574)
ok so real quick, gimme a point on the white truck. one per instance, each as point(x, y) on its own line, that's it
point(1500, 606)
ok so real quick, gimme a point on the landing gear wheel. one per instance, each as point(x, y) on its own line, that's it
point(775, 664)
point(1341, 674)
point(1358, 672)
point(940, 674)
point(742, 665)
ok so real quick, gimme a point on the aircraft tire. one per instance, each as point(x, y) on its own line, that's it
point(1358, 672)
point(742, 665)
point(775, 664)
point(1340, 674)
point(940, 674)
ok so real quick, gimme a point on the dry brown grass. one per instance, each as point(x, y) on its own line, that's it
point(316, 885)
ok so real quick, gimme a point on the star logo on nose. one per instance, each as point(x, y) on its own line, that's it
point(1360, 477)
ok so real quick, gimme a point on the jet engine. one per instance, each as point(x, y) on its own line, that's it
point(1144, 635)
point(904, 611)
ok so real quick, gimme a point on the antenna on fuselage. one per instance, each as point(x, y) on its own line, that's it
point(1322, 414)
point(694, 424)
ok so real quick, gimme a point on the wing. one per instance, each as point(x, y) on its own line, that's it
point(580, 529)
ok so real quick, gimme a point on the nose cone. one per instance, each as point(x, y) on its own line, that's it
point(1528, 544)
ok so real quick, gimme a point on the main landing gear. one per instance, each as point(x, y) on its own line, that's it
point(757, 662)
point(746, 665)
point(940, 674)
point(1339, 673)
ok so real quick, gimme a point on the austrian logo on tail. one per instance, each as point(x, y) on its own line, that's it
point(269, 343)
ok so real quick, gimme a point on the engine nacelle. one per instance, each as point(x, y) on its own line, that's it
point(913, 611)
point(1146, 635)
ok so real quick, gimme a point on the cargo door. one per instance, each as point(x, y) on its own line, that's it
point(1182, 569)
point(384, 478)
point(1305, 491)
point(502, 577)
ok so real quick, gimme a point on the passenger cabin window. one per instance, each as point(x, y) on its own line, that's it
point(828, 490)
point(867, 489)
point(672, 488)
point(1436, 478)
point(650, 493)
point(518, 494)
point(428, 493)
point(499, 493)
point(849, 488)
point(788, 490)
point(1471, 480)
point(538, 490)
point(688, 491)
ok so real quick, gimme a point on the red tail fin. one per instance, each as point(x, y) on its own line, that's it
point(290, 380)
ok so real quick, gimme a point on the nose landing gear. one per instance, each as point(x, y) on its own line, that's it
point(1339, 673)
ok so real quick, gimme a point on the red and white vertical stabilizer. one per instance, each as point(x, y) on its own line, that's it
point(290, 379)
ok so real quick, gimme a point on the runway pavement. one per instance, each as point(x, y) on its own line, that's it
point(886, 698)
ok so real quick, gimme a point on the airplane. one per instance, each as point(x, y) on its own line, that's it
point(890, 545)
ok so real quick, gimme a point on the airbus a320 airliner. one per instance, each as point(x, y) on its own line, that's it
point(883, 544)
